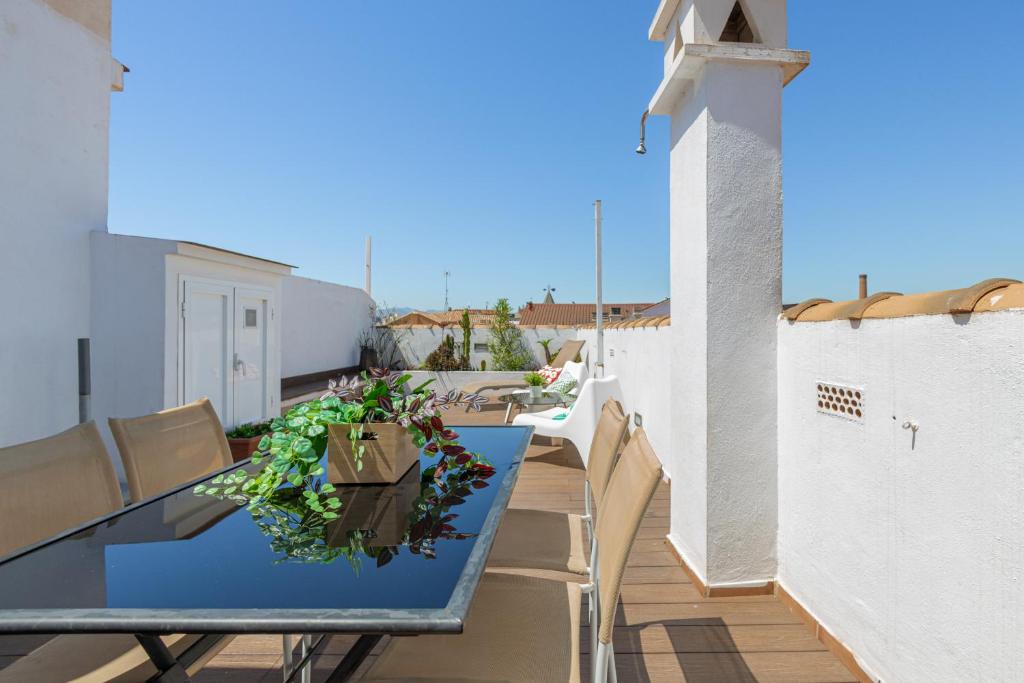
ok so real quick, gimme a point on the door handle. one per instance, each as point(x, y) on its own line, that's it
point(239, 365)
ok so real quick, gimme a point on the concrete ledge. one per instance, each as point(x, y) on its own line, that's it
point(692, 58)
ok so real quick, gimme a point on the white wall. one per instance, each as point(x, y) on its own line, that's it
point(54, 117)
point(321, 324)
point(911, 553)
point(128, 342)
point(640, 358)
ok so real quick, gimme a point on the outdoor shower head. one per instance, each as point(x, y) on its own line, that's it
point(642, 149)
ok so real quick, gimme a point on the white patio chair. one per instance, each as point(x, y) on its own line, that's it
point(580, 421)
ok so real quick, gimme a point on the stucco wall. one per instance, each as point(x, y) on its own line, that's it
point(416, 343)
point(911, 553)
point(321, 324)
point(640, 358)
point(56, 78)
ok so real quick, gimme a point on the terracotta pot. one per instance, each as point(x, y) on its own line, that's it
point(385, 459)
point(242, 449)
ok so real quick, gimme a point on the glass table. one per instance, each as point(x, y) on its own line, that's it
point(524, 398)
point(400, 559)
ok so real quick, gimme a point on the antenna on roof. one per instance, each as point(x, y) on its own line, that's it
point(446, 276)
point(548, 299)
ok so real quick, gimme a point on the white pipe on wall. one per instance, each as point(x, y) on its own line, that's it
point(599, 318)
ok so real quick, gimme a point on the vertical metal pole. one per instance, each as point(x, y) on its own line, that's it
point(307, 668)
point(600, 298)
point(286, 663)
point(369, 266)
point(84, 381)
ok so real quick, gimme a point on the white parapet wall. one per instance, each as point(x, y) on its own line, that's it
point(639, 357)
point(321, 325)
point(908, 546)
point(418, 341)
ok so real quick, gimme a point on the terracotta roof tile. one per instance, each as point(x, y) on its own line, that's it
point(988, 295)
point(574, 315)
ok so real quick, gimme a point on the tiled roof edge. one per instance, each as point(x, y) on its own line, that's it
point(995, 294)
point(637, 323)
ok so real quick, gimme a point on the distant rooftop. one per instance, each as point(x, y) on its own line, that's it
point(478, 317)
point(576, 314)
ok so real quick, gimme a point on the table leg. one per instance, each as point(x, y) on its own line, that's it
point(356, 655)
point(173, 669)
point(508, 412)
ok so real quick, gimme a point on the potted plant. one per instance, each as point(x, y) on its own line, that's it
point(372, 427)
point(244, 439)
point(536, 383)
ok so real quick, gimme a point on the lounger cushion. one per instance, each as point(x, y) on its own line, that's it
point(520, 628)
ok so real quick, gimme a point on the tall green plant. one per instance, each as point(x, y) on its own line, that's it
point(507, 346)
point(467, 338)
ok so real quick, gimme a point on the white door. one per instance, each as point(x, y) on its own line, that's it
point(225, 354)
point(208, 344)
point(252, 393)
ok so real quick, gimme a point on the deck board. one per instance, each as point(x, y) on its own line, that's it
point(666, 630)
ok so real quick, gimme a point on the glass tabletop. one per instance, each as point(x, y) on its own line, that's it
point(400, 558)
point(525, 398)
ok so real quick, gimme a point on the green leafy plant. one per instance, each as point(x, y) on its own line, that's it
point(548, 353)
point(298, 440)
point(467, 338)
point(249, 430)
point(507, 347)
point(443, 359)
point(534, 379)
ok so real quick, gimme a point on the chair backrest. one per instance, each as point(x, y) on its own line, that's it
point(167, 449)
point(567, 353)
point(630, 489)
point(54, 484)
point(612, 426)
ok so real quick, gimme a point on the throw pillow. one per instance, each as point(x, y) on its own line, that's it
point(563, 385)
point(549, 373)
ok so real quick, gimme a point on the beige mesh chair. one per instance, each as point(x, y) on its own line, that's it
point(567, 354)
point(75, 463)
point(541, 539)
point(169, 448)
point(525, 628)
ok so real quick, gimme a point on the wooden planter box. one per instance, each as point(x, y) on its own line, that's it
point(385, 459)
point(242, 449)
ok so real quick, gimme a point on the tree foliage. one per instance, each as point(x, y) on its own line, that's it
point(507, 346)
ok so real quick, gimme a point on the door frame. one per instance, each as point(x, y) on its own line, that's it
point(271, 335)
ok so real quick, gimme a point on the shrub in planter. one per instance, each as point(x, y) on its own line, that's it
point(244, 439)
point(443, 358)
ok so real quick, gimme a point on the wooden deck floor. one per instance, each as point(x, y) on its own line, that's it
point(666, 630)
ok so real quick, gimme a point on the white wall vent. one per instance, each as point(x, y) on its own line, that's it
point(841, 401)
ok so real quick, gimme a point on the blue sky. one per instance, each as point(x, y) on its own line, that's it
point(473, 137)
